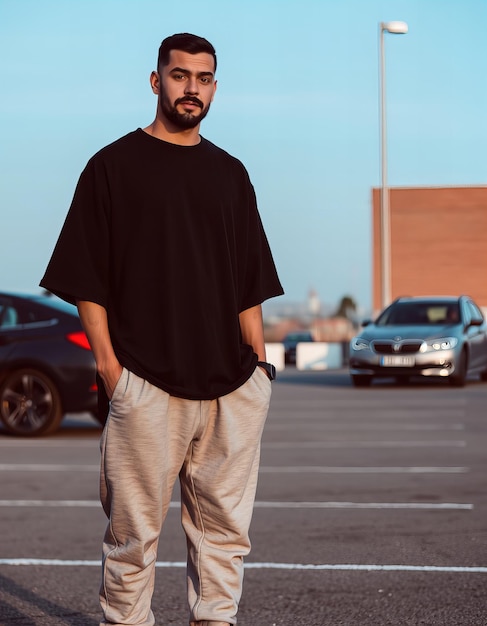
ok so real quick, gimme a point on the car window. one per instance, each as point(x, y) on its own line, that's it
point(420, 313)
point(21, 312)
point(8, 315)
point(453, 313)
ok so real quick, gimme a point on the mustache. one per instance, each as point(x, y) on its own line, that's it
point(191, 99)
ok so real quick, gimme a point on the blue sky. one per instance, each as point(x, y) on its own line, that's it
point(297, 102)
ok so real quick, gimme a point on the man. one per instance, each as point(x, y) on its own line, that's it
point(164, 254)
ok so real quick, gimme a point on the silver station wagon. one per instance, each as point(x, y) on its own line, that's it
point(422, 336)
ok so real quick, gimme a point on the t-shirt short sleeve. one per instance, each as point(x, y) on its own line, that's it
point(260, 281)
point(79, 266)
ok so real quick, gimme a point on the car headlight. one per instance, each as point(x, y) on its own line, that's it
point(358, 343)
point(442, 343)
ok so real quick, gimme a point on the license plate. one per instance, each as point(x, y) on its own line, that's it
point(397, 360)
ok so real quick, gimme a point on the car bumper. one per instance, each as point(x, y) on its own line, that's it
point(442, 363)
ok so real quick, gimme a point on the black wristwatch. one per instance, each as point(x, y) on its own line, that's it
point(269, 368)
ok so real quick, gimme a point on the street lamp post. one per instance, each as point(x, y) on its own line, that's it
point(396, 28)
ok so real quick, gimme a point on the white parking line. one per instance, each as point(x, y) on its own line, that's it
point(47, 467)
point(440, 443)
point(314, 469)
point(285, 469)
point(324, 412)
point(53, 503)
point(283, 445)
point(365, 505)
point(283, 566)
point(367, 427)
point(262, 505)
point(49, 443)
point(424, 404)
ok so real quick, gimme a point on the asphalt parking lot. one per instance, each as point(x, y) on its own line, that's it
point(371, 510)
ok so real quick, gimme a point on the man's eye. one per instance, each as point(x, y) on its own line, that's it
point(206, 80)
point(178, 76)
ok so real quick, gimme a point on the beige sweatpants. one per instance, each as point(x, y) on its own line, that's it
point(214, 446)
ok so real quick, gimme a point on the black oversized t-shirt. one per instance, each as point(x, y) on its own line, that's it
point(169, 240)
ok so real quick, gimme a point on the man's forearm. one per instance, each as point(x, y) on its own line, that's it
point(252, 328)
point(95, 323)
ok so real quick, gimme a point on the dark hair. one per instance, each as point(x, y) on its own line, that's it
point(185, 42)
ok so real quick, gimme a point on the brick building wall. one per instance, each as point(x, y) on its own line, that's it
point(438, 242)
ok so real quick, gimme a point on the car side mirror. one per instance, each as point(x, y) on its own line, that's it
point(365, 323)
point(476, 322)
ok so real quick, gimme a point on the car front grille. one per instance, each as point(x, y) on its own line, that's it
point(391, 347)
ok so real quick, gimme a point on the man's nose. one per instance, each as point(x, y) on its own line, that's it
point(191, 86)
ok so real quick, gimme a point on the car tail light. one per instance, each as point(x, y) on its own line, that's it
point(79, 339)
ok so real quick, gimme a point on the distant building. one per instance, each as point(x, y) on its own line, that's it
point(438, 242)
point(332, 329)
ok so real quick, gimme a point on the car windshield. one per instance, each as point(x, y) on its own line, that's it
point(420, 313)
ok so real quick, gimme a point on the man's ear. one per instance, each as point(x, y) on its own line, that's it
point(214, 90)
point(155, 82)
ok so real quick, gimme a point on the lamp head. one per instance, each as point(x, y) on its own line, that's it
point(396, 28)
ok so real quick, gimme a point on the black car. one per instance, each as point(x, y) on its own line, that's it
point(47, 368)
point(422, 336)
point(291, 341)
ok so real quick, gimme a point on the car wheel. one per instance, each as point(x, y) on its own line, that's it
point(30, 404)
point(361, 380)
point(458, 378)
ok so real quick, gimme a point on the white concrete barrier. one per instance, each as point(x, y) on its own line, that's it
point(275, 355)
point(319, 356)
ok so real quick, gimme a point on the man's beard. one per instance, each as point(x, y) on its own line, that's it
point(185, 120)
